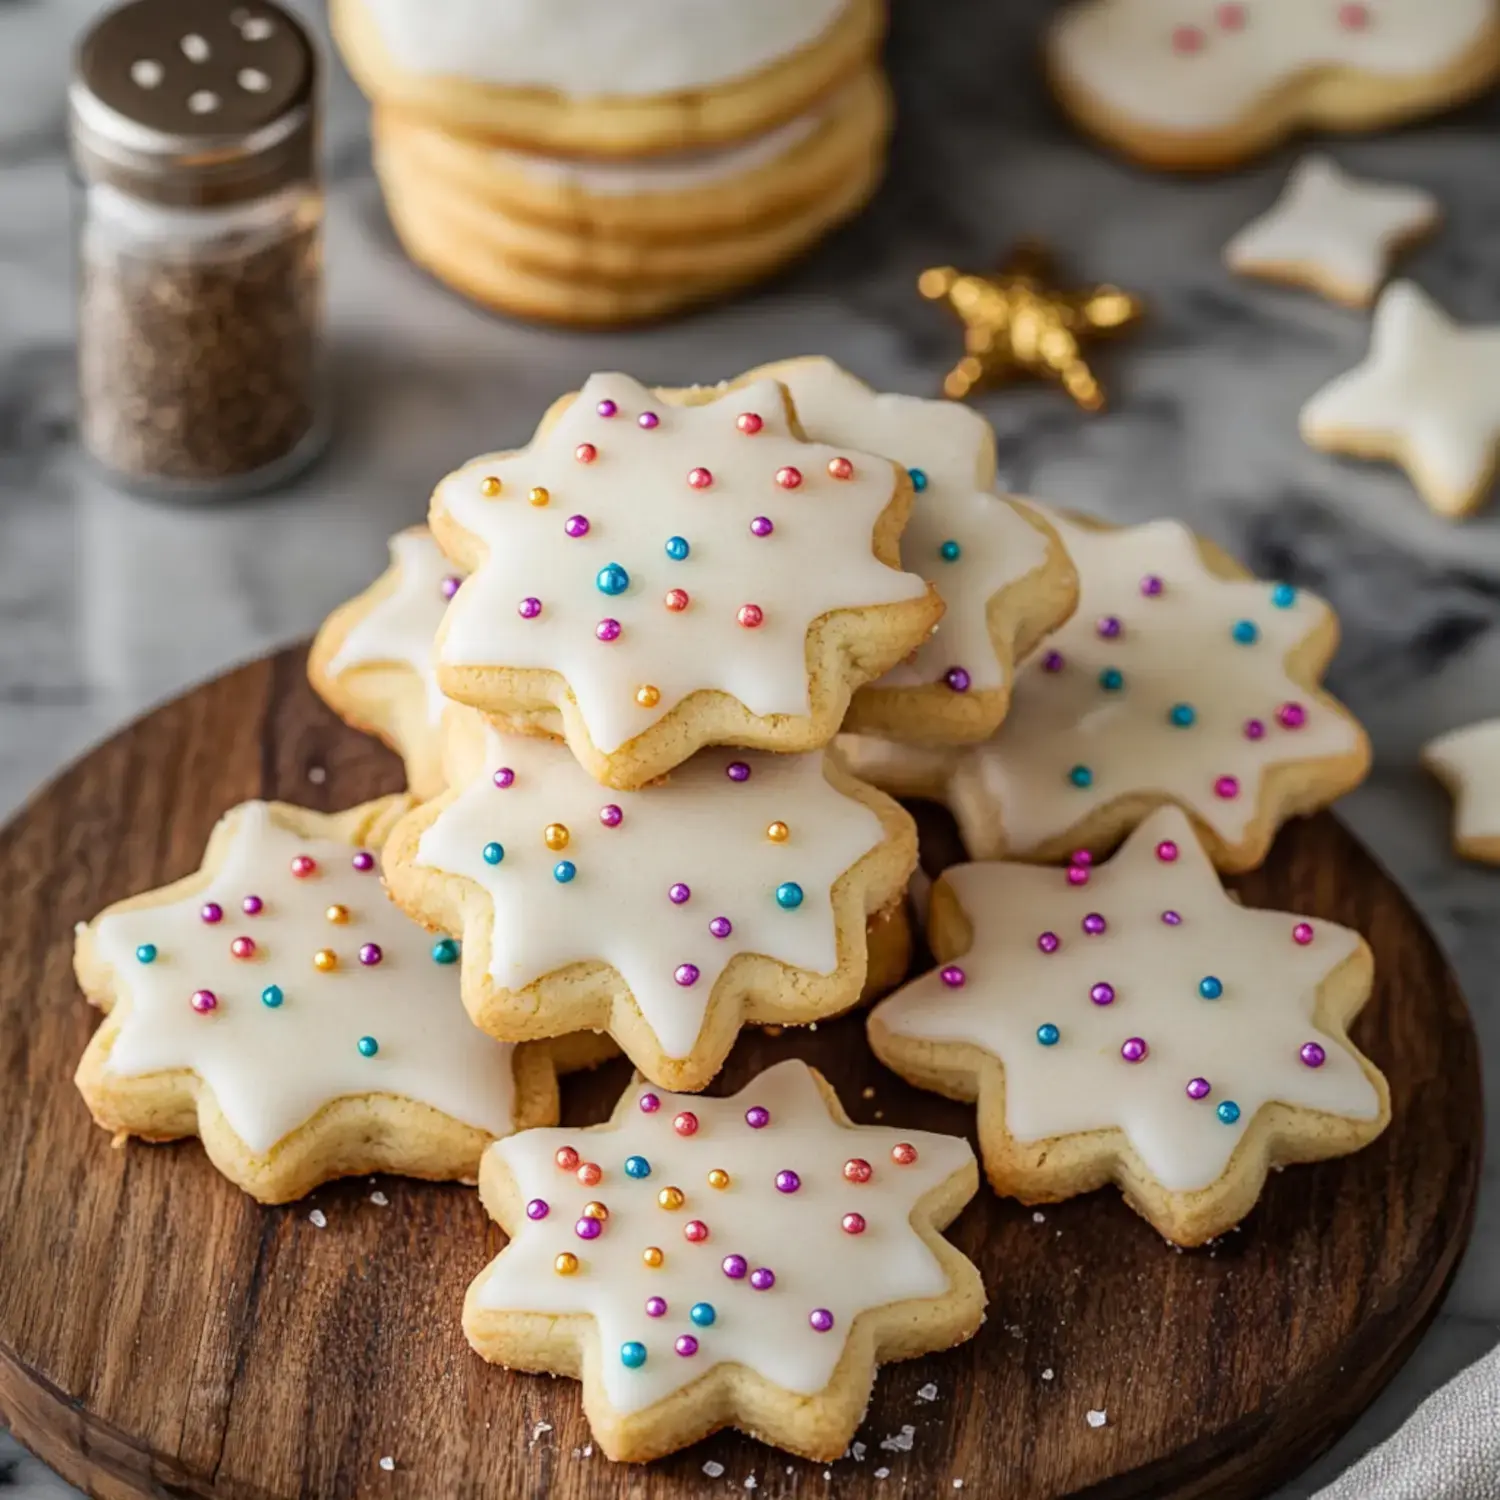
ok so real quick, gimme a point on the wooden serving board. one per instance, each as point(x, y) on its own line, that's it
point(162, 1335)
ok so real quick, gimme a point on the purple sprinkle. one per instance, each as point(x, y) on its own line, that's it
point(529, 608)
point(1102, 994)
point(370, 955)
point(656, 1307)
point(1198, 1088)
point(610, 815)
point(649, 1104)
point(211, 912)
point(1151, 585)
point(821, 1319)
point(686, 1345)
point(953, 977)
point(1171, 918)
point(757, 1117)
point(1109, 627)
point(721, 927)
point(1291, 716)
point(1052, 662)
point(538, 1208)
point(1134, 1049)
point(588, 1229)
point(787, 1182)
point(252, 906)
point(735, 1266)
point(363, 861)
point(606, 408)
point(1094, 924)
point(648, 420)
point(737, 770)
point(608, 630)
point(1255, 729)
point(763, 1278)
point(957, 679)
point(1048, 942)
point(761, 526)
point(686, 975)
point(678, 893)
point(576, 526)
point(1312, 1054)
point(450, 585)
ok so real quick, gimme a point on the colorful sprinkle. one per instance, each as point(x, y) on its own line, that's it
point(529, 608)
point(585, 453)
point(1312, 1054)
point(596, 1211)
point(538, 1208)
point(1227, 787)
point(337, 914)
point(556, 837)
point(686, 1345)
point(735, 1267)
point(840, 468)
point(700, 478)
point(952, 976)
point(649, 1104)
point(656, 1307)
point(1048, 1034)
point(1052, 662)
point(1109, 627)
point(565, 1264)
point(678, 893)
point(789, 895)
point(1167, 851)
point(253, 906)
point(853, 1223)
point(564, 871)
point(1171, 918)
point(918, 479)
point(1048, 942)
point(489, 486)
point(820, 1319)
point(145, 953)
point(637, 1166)
point(737, 770)
point(1302, 933)
point(950, 551)
point(671, 1199)
point(271, 997)
point(1077, 875)
point(757, 1117)
point(445, 951)
point(1210, 987)
point(686, 1123)
point(611, 815)
point(1198, 1088)
point(676, 600)
point(1183, 715)
point(1291, 716)
point(1094, 924)
point(1151, 586)
point(211, 912)
point(606, 407)
point(539, 495)
point(370, 954)
point(1283, 596)
point(367, 1046)
point(588, 1229)
point(857, 1169)
point(789, 478)
point(1245, 632)
point(504, 778)
point(303, 866)
point(718, 1179)
point(363, 861)
point(1229, 1112)
point(1102, 994)
point(493, 853)
point(686, 975)
point(1111, 679)
point(1134, 1049)
point(633, 1354)
point(607, 630)
point(677, 548)
point(652, 1257)
point(721, 927)
point(648, 420)
point(904, 1154)
point(749, 423)
point(695, 1231)
point(703, 1314)
point(450, 585)
point(1081, 776)
point(566, 1158)
point(750, 616)
point(958, 679)
point(762, 1279)
point(612, 579)
point(787, 1181)
point(204, 1001)
point(1188, 39)
point(325, 960)
point(576, 526)
point(762, 526)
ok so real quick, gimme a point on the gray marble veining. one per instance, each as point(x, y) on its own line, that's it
point(108, 604)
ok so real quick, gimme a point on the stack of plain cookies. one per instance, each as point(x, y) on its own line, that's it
point(589, 164)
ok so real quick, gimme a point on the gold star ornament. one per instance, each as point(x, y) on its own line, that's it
point(1018, 324)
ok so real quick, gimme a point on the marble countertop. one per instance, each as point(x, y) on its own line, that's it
point(109, 604)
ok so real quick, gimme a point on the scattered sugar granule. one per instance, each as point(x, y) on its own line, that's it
point(388, 1464)
point(867, 1092)
point(882, 1473)
point(1039, 1217)
point(1047, 1373)
point(713, 1468)
point(380, 1200)
point(880, 1114)
point(928, 1392)
point(751, 1482)
point(857, 1452)
point(588, 1450)
point(900, 1442)
point(317, 775)
point(1098, 1418)
point(539, 1429)
point(827, 1475)
point(318, 1219)
point(958, 1484)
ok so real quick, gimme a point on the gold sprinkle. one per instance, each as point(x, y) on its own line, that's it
point(539, 495)
point(325, 960)
point(647, 695)
point(337, 914)
point(652, 1257)
point(555, 836)
point(778, 832)
point(489, 486)
point(565, 1264)
point(671, 1198)
point(595, 1211)
point(718, 1178)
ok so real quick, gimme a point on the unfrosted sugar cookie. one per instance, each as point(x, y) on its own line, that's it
point(1138, 1026)
point(1333, 232)
point(278, 1005)
point(598, 78)
point(1467, 762)
point(658, 571)
point(1427, 397)
point(736, 891)
point(743, 1262)
point(1206, 83)
point(372, 659)
point(1000, 569)
point(1180, 679)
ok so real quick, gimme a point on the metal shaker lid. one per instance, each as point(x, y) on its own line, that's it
point(195, 102)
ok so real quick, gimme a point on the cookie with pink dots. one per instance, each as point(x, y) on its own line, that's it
point(744, 888)
point(1133, 1023)
point(1181, 679)
point(740, 1262)
point(372, 659)
point(1191, 84)
point(276, 1004)
point(658, 571)
point(1000, 568)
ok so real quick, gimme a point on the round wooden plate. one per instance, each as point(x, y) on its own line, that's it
point(161, 1334)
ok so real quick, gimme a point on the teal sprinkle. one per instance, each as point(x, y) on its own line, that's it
point(1111, 679)
point(1210, 988)
point(1229, 1112)
point(1245, 632)
point(368, 1046)
point(1048, 1035)
point(677, 548)
point(1183, 715)
point(146, 953)
point(703, 1314)
point(271, 997)
point(789, 895)
point(918, 479)
point(612, 579)
point(951, 551)
point(637, 1166)
point(1081, 776)
point(563, 871)
point(632, 1355)
point(445, 951)
point(1283, 596)
point(494, 853)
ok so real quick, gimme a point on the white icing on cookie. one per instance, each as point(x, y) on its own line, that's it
point(950, 452)
point(588, 49)
point(1222, 996)
point(1196, 714)
point(401, 627)
point(679, 172)
point(799, 1236)
point(1332, 227)
point(700, 832)
point(540, 599)
point(1427, 386)
point(281, 1038)
point(1468, 760)
point(1198, 65)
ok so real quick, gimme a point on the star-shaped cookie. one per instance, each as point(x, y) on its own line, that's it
point(372, 659)
point(739, 1262)
point(1180, 679)
point(278, 1005)
point(1427, 397)
point(1467, 762)
point(737, 890)
point(1138, 1026)
point(1332, 232)
point(658, 571)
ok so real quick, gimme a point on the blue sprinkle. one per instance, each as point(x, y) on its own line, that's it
point(789, 895)
point(271, 997)
point(146, 953)
point(1245, 632)
point(637, 1166)
point(677, 548)
point(445, 951)
point(1111, 679)
point(1229, 1112)
point(494, 853)
point(612, 579)
point(703, 1314)
point(1283, 596)
point(1183, 715)
point(918, 479)
point(563, 871)
point(632, 1355)
point(368, 1046)
point(951, 551)
point(1210, 988)
point(1048, 1035)
point(1081, 776)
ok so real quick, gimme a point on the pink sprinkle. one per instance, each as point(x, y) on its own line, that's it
point(211, 912)
point(953, 977)
point(585, 453)
point(1188, 39)
point(253, 906)
point(686, 1345)
point(686, 975)
point(700, 479)
point(610, 815)
point(303, 865)
point(750, 616)
point(1080, 857)
point(1078, 875)
point(1227, 787)
point(695, 1231)
point(788, 477)
point(608, 630)
point(606, 408)
point(749, 423)
point(1255, 729)
point(1093, 924)
point(504, 778)
point(649, 1104)
point(1231, 17)
point(648, 420)
point(1198, 1088)
point(1166, 851)
point(1354, 17)
point(1048, 942)
point(204, 1001)
point(529, 608)
point(243, 947)
point(1302, 933)
point(363, 861)
point(1291, 716)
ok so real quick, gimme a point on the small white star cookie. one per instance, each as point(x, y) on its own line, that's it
point(658, 571)
point(741, 1262)
point(1132, 1023)
point(1332, 232)
point(278, 1005)
point(372, 659)
point(1180, 679)
point(1427, 397)
point(1467, 762)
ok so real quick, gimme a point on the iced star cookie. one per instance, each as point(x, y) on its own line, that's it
point(278, 1005)
point(1467, 762)
point(1333, 232)
point(737, 891)
point(659, 571)
point(1000, 568)
point(596, 78)
point(1132, 1023)
point(1427, 397)
point(1207, 83)
point(743, 1262)
point(372, 662)
point(1180, 679)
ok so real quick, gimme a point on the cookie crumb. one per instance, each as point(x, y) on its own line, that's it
point(882, 1473)
point(857, 1452)
point(713, 1468)
point(388, 1463)
point(751, 1482)
point(380, 1200)
point(539, 1429)
point(317, 775)
point(1098, 1418)
point(318, 1219)
point(900, 1442)
point(1047, 1373)
point(928, 1392)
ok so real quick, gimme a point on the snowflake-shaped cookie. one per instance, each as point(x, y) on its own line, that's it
point(1180, 679)
point(1199, 83)
point(706, 1263)
point(661, 570)
point(1001, 571)
point(1467, 762)
point(1131, 1022)
point(277, 1004)
point(736, 890)
point(372, 660)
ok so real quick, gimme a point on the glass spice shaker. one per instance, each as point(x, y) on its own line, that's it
point(194, 129)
